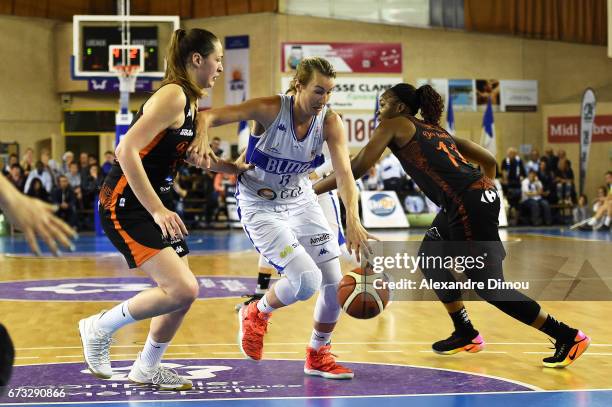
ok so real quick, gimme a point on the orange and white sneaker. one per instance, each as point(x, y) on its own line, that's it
point(566, 352)
point(323, 363)
point(253, 327)
point(459, 343)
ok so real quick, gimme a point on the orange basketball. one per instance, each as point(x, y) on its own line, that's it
point(357, 295)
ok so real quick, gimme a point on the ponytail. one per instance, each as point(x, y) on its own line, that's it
point(425, 99)
point(182, 46)
point(431, 104)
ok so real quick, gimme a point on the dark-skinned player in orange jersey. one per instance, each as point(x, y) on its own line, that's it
point(438, 163)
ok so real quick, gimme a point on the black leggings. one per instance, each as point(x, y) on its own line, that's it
point(468, 226)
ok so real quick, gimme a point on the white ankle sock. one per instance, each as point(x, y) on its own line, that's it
point(115, 318)
point(607, 221)
point(319, 339)
point(152, 352)
point(263, 306)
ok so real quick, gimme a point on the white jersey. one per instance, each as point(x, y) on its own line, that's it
point(282, 163)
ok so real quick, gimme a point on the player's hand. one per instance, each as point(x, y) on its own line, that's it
point(199, 150)
point(357, 239)
point(36, 218)
point(171, 224)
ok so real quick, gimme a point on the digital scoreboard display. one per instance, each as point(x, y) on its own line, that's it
point(96, 40)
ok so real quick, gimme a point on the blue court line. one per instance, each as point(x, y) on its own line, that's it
point(561, 398)
point(236, 240)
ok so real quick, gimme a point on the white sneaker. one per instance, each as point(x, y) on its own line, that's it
point(166, 379)
point(96, 347)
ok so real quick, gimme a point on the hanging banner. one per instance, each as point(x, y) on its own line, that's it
point(519, 96)
point(346, 57)
point(355, 93)
point(487, 89)
point(566, 129)
point(587, 116)
point(463, 93)
point(236, 69)
point(358, 128)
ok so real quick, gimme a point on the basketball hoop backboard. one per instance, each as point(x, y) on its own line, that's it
point(95, 35)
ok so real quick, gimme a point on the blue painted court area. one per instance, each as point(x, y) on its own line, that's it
point(207, 241)
point(590, 398)
point(236, 240)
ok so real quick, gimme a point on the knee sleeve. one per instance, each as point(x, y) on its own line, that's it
point(306, 284)
point(303, 279)
point(327, 309)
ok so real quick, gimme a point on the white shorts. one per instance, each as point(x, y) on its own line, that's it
point(331, 209)
point(281, 232)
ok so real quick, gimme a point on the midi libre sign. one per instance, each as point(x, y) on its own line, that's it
point(567, 129)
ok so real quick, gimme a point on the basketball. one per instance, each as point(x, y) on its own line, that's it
point(357, 295)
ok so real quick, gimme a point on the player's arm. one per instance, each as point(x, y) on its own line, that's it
point(478, 154)
point(34, 218)
point(356, 235)
point(262, 110)
point(365, 159)
point(164, 110)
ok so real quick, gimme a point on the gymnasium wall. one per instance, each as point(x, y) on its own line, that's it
point(563, 70)
point(29, 105)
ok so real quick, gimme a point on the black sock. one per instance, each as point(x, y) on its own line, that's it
point(463, 325)
point(557, 330)
point(263, 282)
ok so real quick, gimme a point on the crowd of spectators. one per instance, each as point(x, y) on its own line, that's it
point(539, 189)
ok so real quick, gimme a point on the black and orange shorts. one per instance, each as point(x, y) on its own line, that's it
point(130, 227)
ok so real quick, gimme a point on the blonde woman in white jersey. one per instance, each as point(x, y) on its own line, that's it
point(279, 210)
point(331, 209)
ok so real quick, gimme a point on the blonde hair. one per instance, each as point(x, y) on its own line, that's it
point(182, 45)
point(306, 68)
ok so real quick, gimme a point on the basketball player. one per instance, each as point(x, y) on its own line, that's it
point(331, 209)
point(437, 162)
point(279, 211)
point(135, 202)
point(34, 218)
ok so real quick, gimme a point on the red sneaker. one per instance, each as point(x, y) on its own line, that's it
point(253, 327)
point(322, 363)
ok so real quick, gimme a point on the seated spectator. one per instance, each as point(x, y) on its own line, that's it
point(391, 173)
point(67, 160)
point(532, 201)
point(109, 159)
point(43, 175)
point(12, 160)
point(371, 181)
point(534, 161)
point(15, 176)
point(74, 176)
point(90, 187)
point(602, 207)
point(84, 165)
point(92, 160)
point(27, 162)
point(63, 196)
point(564, 181)
point(552, 159)
point(37, 190)
point(513, 173)
point(581, 210)
point(546, 177)
point(50, 164)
